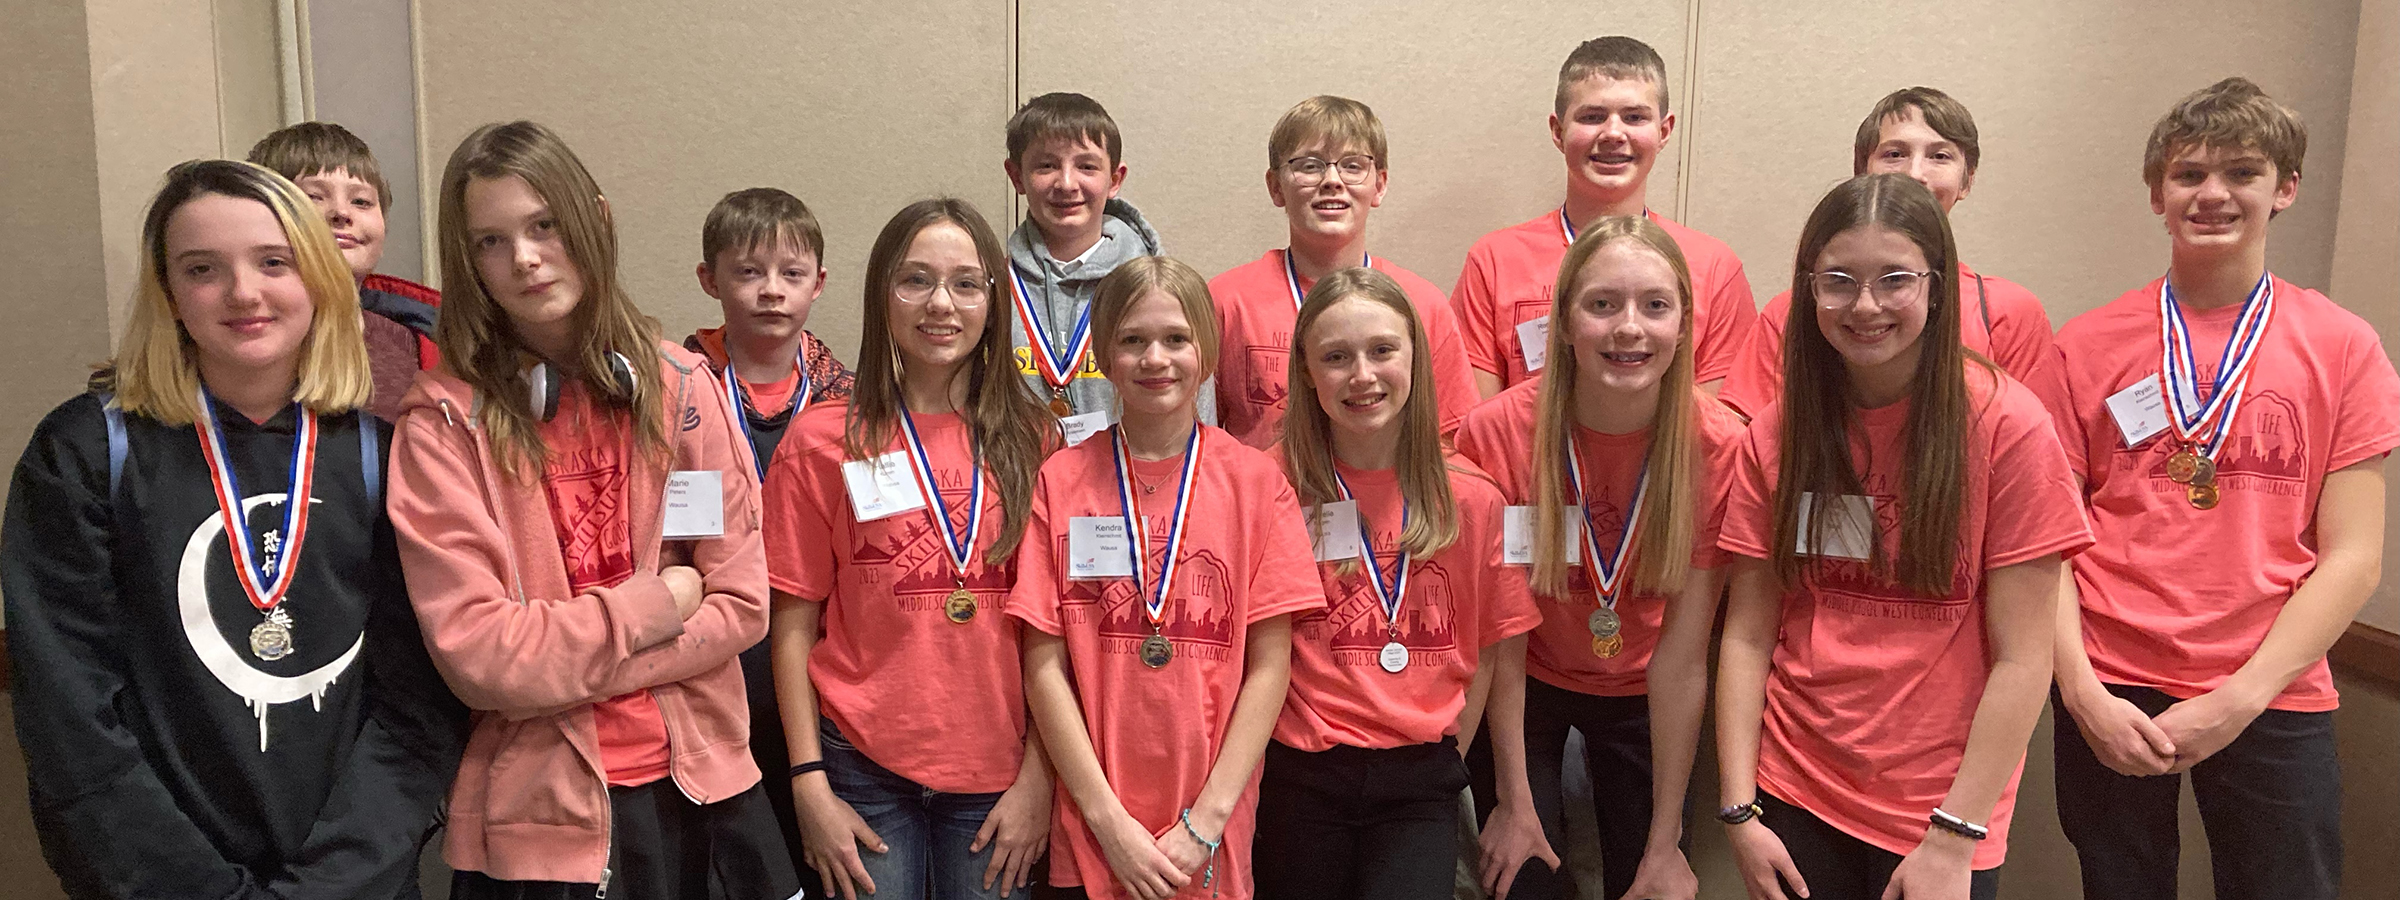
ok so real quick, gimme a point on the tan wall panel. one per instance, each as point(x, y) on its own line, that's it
point(249, 73)
point(2366, 261)
point(2064, 94)
point(154, 104)
point(858, 110)
point(1464, 91)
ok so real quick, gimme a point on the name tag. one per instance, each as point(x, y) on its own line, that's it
point(881, 488)
point(1080, 428)
point(1098, 547)
point(1849, 533)
point(1534, 339)
point(2140, 410)
point(1334, 531)
point(1516, 537)
point(695, 505)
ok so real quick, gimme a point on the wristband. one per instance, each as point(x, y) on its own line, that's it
point(814, 765)
point(1958, 826)
point(1739, 813)
point(1208, 879)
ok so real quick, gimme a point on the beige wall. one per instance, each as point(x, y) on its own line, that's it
point(2366, 263)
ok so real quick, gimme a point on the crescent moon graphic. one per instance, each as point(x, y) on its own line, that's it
point(259, 689)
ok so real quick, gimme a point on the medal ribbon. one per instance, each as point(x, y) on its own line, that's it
point(1057, 370)
point(265, 584)
point(1397, 592)
point(1154, 599)
point(1291, 274)
point(2204, 427)
point(1567, 226)
point(738, 399)
point(1607, 573)
point(920, 464)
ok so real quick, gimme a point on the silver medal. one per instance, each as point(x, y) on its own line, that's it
point(1393, 658)
point(1604, 623)
point(271, 640)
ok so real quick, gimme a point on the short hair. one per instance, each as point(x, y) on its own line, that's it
point(1942, 113)
point(1067, 115)
point(1615, 56)
point(1117, 293)
point(309, 148)
point(1345, 122)
point(2231, 114)
point(756, 217)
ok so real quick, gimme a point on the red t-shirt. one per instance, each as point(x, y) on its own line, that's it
point(1872, 688)
point(2018, 339)
point(771, 398)
point(2177, 598)
point(1510, 273)
point(940, 703)
point(585, 479)
point(1255, 315)
point(1459, 601)
point(1498, 436)
point(1158, 732)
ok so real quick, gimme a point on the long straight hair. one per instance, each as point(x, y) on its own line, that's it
point(1662, 551)
point(1010, 427)
point(1818, 416)
point(155, 373)
point(477, 339)
point(1308, 432)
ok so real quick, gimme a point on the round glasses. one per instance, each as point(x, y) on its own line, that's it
point(967, 288)
point(1892, 290)
point(1309, 171)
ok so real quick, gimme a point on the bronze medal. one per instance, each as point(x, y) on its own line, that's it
point(1059, 406)
point(1608, 647)
point(2203, 496)
point(271, 640)
point(2182, 465)
point(1604, 624)
point(1156, 651)
point(960, 607)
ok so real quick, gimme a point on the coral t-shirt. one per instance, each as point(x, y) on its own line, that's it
point(585, 478)
point(1498, 436)
point(2017, 337)
point(771, 397)
point(2177, 598)
point(1157, 732)
point(1510, 274)
point(1872, 688)
point(1459, 601)
point(1255, 315)
point(939, 702)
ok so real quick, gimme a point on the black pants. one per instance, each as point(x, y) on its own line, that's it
point(1616, 756)
point(2271, 802)
point(772, 751)
point(1840, 867)
point(1356, 824)
point(662, 846)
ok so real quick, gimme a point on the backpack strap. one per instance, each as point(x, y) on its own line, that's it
point(117, 448)
point(370, 461)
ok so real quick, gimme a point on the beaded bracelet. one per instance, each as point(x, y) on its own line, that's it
point(1208, 879)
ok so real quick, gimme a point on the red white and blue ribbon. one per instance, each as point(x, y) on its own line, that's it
point(1394, 592)
point(2203, 426)
point(1154, 594)
point(1291, 274)
point(1057, 368)
point(1566, 226)
point(738, 399)
point(265, 582)
point(961, 546)
point(1607, 573)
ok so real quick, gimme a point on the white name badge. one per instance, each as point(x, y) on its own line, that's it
point(1851, 533)
point(1097, 547)
point(882, 487)
point(695, 505)
point(2140, 410)
point(1080, 428)
point(1516, 538)
point(1334, 531)
point(1534, 338)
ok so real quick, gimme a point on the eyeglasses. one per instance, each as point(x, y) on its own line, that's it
point(1892, 290)
point(968, 288)
point(1309, 171)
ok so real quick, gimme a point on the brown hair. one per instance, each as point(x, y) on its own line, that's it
point(474, 333)
point(298, 151)
point(1011, 429)
point(1116, 293)
point(1063, 115)
point(1945, 115)
point(154, 374)
point(1817, 411)
point(1615, 56)
point(760, 217)
point(1662, 551)
point(1344, 122)
point(1307, 432)
point(2230, 114)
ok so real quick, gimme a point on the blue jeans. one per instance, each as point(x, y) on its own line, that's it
point(928, 831)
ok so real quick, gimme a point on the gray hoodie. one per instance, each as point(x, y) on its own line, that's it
point(1060, 297)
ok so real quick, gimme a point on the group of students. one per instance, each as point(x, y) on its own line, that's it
point(1097, 573)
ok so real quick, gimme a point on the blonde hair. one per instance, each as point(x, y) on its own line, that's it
point(2230, 114)
point(1117, 292)
point(1662, 550)
point(477, 340)
point(1344, 122)
point(1307, 431)
point(154, 373)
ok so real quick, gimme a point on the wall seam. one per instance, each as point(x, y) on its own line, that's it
point(429, 266)
point(1691, 127)
point(1016, 90)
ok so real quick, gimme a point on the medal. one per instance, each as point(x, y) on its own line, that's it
point(1058, 367)
point(2202, 496)
point(265, 581)
point(1604, 624)
point(2199, 428)
point(1291, 275)
point(1388, 594)
point(960, 607)
point(1608, 647)
point(738, 399)
point(1393, 658)
point(1156, 650)
point(1606, 573)
point(2182, 465)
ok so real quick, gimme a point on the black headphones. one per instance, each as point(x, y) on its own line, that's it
point(543, 389)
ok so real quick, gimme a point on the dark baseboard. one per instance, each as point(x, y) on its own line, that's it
point(2368, 652)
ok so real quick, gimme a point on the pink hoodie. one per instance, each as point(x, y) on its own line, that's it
point(490, 589)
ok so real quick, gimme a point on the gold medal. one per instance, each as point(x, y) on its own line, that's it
point(1604, 624)
point(1157, 651)
point(2203, 496)
point(1608, 647)
point(2181, 465)
point(271, 640)
point(960, 606)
